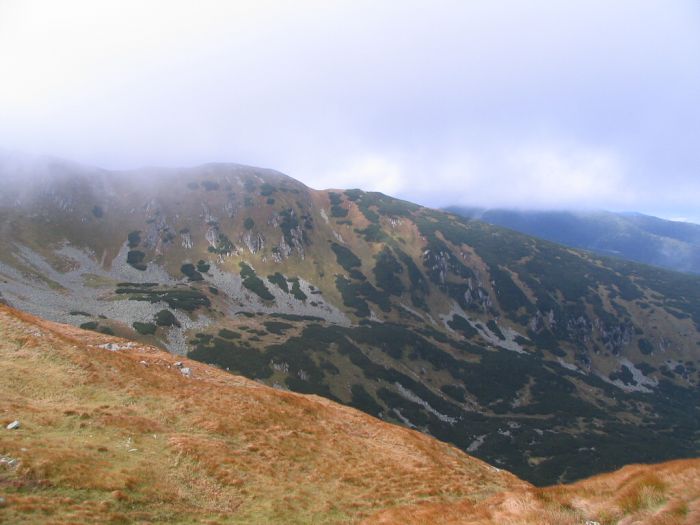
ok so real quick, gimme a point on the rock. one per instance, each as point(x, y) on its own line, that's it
point(13, 426)
point(9, 462)
point(186, 372)
point(144, 363)
point(178, 364)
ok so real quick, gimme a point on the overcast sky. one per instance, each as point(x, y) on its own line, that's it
point(545, 104)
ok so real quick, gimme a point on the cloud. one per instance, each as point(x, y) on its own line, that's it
point(586, 103)
point(543, 175)
point(371, 173)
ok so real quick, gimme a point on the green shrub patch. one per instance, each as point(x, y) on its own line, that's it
point(144, 328)
point(254, 283)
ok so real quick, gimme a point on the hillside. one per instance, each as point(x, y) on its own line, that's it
point(125, 434)
point(550, 362)
point(633, 236)
point(113, 432)
point(665, 494)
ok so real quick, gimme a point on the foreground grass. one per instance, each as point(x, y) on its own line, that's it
point(124, 437)
point(665, 494)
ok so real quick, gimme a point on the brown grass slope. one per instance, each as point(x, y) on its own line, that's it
point(124, 436)
point(664, 494)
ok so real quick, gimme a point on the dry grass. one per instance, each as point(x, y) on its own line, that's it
point(105, 438)
point(666, 494)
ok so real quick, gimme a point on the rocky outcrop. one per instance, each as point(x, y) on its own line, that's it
point(255, 242)
point(437, 263)
point(476, 296)
point(230, 208)
point(186, 239)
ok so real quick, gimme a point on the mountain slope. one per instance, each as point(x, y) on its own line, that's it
point(632, 236)
point(113, 431)
point(124, 435)
point(552, 363)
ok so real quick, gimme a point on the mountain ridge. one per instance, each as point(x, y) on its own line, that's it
point(632, 236)
point(541, 359)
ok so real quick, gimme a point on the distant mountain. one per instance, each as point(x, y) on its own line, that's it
point(111, 431)
point(551, 362)
point(632, 236)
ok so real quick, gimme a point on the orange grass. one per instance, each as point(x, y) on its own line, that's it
point(107, 438)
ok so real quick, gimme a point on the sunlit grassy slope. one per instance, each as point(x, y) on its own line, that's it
point(125, 436)
point(665, 494)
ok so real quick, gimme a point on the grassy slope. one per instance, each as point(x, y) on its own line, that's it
point(665, 494)
point(107, 438)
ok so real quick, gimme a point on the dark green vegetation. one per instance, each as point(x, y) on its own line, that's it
point(187, 299)
point(267, 189)
point(192, 274)
point(345, 257)
point(166, 318)
point(357, 292)
point(280, 280)
point(461, 325)
point(135, 258)
point(296, 289)
point(210, 185)
point(134, 239)
point(229, 334)
point(277, 327)
point(254, 283)
point(336, 209)
point(387, 271)
point(145, 328)
point(283, 283)
point(94, 325)
point(231, 356)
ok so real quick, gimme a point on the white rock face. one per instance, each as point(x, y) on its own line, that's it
point(405, 392)
point(242, 299)
point(509, 343)
point(48, 293)
point(13, 426)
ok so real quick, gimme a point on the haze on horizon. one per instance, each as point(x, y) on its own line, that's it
point(539, 104)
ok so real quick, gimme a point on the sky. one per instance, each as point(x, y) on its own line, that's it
point(527, 104)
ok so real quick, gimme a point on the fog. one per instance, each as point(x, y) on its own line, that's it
point(512, 104)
